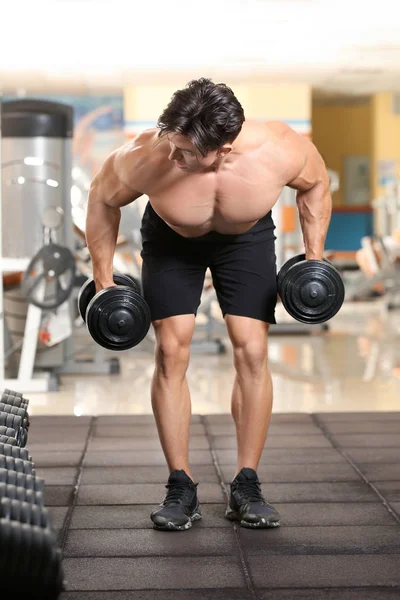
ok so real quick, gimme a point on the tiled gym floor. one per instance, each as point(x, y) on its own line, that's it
point(334, 477)
point(331, 465)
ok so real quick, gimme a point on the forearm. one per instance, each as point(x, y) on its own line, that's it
point(315, 208)
point(102, 224)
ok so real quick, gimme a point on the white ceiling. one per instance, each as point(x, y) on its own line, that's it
point(346, 46)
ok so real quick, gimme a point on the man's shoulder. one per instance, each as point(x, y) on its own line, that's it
point(269, 134)
point(145, 148)
point(141, 158)
point(280, 138)
point(144, 142)
point(278, 130)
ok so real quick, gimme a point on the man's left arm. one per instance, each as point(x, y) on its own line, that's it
point(306, 173)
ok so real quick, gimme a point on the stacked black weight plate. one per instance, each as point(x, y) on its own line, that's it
point(31, 562)
point(7, 435)
point(14, 415)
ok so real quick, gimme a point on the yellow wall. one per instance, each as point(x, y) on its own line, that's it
point(274, 101)
point(146, 103)
point(289, 102)
point(340, 130)
point(369, 129)
point(386, 137)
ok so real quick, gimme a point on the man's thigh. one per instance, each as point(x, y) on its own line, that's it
point(244, 276)
point(172, 281)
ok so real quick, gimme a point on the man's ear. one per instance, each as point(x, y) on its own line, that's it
point(224, 150)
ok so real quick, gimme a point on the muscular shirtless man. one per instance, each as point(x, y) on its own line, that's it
point(212, 179)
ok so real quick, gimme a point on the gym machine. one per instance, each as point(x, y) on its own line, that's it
point(35, 217)
point(386, 270)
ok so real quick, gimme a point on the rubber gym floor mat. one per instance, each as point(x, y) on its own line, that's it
point(336, 491)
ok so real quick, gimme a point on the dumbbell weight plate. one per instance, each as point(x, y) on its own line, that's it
point(15, 422)
point(31, 565)
point(289, 263)
point(28, 482)
point(286, 266)
point(130, 281)
point(23, 569)
point(11, 541)
point(7, 449)
point(38, 558)
point(118, 318)
point(16, 464)
point(40, 516)
point(88, 290)
point(13, 393)
point(51, 574)
point(15, 410)
point(23, 512)
point(8, 431)
point(14, 401)
point(12, 421)
point(11, 441)
point(311, 291)
point(21, 493)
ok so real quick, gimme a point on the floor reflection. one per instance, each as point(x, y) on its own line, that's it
point(354, 367)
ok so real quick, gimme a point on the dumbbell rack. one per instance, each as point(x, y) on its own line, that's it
point(27, 380)
point(31, 558)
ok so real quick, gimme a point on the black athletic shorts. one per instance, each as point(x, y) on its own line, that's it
point(243, 269)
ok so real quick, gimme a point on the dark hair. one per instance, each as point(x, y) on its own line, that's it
point(207, 113)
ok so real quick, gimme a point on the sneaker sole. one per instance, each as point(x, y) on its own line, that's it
point(262, 524)
point(171, 526)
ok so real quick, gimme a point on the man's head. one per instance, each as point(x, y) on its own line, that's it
point(201, 122)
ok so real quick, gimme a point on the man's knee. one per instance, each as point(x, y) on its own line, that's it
point(173, 338)
point(251, 355)
point(249, 342)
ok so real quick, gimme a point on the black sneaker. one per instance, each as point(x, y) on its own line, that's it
point(180, 506)
point(247, 504)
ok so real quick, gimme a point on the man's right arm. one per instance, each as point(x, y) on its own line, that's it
point(107, 195)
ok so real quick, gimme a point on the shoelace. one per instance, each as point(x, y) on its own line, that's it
point(252, 491)
point(176, 493)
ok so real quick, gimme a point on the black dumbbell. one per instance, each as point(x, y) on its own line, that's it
point(12, 397)
point(28, 482)
point(118, 317)
point(32, 514)
point(31, 565)
point(8, 432)
point(14, 451)
point(312, 291)
point(13, 393)
point(23, 494)
point(14, 401)
point(17, 464)
point(14, 422)
point(15, 410)
point(10, 441)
